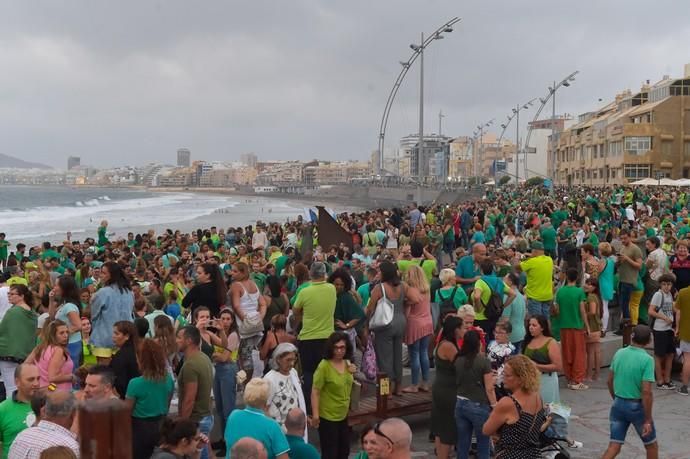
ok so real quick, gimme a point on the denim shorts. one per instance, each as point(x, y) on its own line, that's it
point(625, 412)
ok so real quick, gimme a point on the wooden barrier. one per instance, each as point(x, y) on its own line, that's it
point(105, 430)
point(382, 405)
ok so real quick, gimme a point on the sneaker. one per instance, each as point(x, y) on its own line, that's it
point(576, 444)
point(683, 390)
point(670, 386)
point(660, 386)
point(578, 386)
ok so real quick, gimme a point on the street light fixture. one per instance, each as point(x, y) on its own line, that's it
point(566, 82)
point(418, 52)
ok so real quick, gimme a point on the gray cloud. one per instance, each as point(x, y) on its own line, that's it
point(127, 82)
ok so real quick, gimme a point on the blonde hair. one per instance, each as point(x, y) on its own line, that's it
point(605, 249)
point(526, 370)
point(256, 393)
point(446, 276)
point(416, 278)
point(466, 310)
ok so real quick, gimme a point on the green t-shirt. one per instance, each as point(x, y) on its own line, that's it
point(428, 266)
point(260, 280)
point(3, 249)
point(15, 416)
point(151, 398)
point(548, 237)
point(334, 391)
point(280, 263)
point(317, 303)
point(539, 271)
point(631, 366)
point(197, 369)
point(469, 377)
point(568, 299)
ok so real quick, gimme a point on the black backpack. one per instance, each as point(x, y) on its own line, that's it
point(447, 304)
point(494, 307)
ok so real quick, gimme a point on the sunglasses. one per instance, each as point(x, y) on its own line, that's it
point(378, 432)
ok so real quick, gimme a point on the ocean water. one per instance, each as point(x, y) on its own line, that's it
point(33, 214)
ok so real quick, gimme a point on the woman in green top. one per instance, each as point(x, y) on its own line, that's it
point(330, 397)
point(348, 313)
point(87, 348)
point(149, 398)
point(17, 334)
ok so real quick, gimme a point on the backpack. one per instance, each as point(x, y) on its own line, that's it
point(494, 307)
point(447, 304)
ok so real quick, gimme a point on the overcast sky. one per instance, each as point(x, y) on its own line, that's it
point(129, 82)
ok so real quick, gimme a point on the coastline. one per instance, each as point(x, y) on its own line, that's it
point(305, 200)
point(195, 208)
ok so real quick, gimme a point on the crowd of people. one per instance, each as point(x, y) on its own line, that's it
point(499, 296)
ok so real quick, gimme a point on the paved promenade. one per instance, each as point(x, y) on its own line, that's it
point(590, 424)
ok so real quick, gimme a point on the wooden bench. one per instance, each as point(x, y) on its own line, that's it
point(382, 405)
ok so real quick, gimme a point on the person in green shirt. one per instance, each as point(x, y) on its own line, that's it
point(295, 425)
point(102, 236)
point(3, 251)
point(149, 398)
point(15, 412)
point(548, 238)
point(570, 304)
point(630, 385)
point(421, 257)
point(330, 396)
point(315, 309)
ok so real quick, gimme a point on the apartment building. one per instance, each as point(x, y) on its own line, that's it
point(641, 134)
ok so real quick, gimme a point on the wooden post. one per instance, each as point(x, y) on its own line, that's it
point(105, 430)
point(383, 389)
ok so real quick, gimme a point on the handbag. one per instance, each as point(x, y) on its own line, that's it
point(369, 365)
point(383, 314)
point(355, 393)
point(251, 325)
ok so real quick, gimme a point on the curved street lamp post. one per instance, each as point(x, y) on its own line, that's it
point(418, 51)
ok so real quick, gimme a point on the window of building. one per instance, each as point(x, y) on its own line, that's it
point(666, 148)
point(613, 173)
point(686, 149)
point(601, 173)
point(615, 148)
point(595, 174)
point(638, 145)
point(637, 171)
point(589, 174)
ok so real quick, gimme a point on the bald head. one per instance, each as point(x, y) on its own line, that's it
point(248, 448)
point(295, 422)
point(478, 251)
point(399, 433)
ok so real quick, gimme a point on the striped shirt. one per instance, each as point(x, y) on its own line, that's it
point(30, 443)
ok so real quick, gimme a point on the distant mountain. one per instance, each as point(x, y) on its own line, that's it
point(10, 161)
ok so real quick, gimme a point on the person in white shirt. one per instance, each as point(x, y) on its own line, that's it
point(52, 430)
point(259, 238)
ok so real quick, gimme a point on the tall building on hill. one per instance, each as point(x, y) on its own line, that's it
point(249, 159)
point(184, 157)
point(73, 161)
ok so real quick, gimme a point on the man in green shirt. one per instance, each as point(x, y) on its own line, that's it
point(539, 289)
point(570, 304)
point(630, 385)
point(296, 424)
point(195, 381)
point(3, 251)
point(15, 411)
point(548, 238)
point(315, 308)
